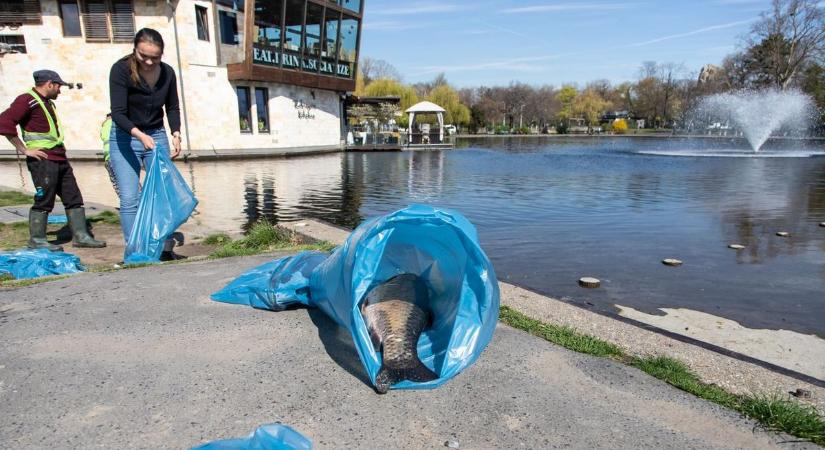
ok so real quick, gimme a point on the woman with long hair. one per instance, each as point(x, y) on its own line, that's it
point(141, 86)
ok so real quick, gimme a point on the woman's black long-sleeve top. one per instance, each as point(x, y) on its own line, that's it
point(139, 105)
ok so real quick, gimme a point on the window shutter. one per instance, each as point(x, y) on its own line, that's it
point(123, 21)
point(20, 12)
point(95, 22)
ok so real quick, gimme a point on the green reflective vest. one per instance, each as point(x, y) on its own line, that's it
point(105, 131)
point(44, 140)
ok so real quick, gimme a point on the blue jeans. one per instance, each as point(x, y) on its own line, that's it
point(127, 155)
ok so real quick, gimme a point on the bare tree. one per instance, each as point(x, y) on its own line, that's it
point(785, 40)
point(374, 69)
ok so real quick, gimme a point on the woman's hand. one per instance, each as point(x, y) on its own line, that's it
point(36, 153)
point(175, 146)
point(147, 141)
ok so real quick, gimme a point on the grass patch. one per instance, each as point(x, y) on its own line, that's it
point(262, 237)
point(11, 284)
point(11, 198)
point(564, 336)
point(13, 235)
point(677, 374)
point(774, 412)
point(107, 217)
point(217, 239)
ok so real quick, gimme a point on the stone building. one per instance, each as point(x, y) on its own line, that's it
point(270, 82)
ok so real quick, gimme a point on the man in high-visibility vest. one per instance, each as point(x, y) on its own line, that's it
point(52, 175)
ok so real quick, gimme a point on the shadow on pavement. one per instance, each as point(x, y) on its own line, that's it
point(338, 345)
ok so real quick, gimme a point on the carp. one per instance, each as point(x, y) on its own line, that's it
point(396, 313)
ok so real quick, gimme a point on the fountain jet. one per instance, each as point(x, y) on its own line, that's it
point(757, 114)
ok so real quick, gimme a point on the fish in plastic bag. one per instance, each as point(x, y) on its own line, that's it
point(457, 310)
point(166, 202)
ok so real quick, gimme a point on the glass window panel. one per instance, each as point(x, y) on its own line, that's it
point(261, 102)
point(352, 5)
point(244, 110)
point(294, 24)
point(268, 18)
point(229, 27)
point(202, 23)
point(347, 47)
point(16, 42)
point(312, 37)
point(70, 13)
point(330, 47)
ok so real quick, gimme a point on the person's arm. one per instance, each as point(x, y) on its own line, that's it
point(119, 81)
point(173, 112)
point(9, 119)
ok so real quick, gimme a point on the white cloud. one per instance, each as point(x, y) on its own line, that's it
point(691, 33)
point(418, 8)
point(569, 7)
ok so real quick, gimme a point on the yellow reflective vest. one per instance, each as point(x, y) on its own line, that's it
point(44, 140)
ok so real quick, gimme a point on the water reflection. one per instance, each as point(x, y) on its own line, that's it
point(549, 211)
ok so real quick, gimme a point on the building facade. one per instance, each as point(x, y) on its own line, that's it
point(254, 76)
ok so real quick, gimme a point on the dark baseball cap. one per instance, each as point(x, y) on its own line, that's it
point(48, 75)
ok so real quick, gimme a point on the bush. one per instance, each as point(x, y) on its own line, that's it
point(523, 130)
point(562, 128)
point(502, 129)
point(620, 126)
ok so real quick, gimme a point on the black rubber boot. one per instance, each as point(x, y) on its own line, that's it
point(80, 233)
point(37, 231)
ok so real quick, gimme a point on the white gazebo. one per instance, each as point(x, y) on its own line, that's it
point(426, 108)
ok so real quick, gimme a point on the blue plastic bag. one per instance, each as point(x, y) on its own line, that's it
point(23, 264)
point(55, 219)
point(266, 437)
point(438, 245)
point(166, 202)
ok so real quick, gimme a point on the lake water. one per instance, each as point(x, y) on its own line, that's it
point(551, 210)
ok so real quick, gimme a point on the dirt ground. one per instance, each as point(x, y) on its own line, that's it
point(113, 252)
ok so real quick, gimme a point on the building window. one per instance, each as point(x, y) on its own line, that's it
point(14, 43)
point(261, 103)
point(348, 43)
point(108, 20)
point(352, 5)
point(70, 13)
point(229, 27)
point(202, 23)
point(329, 53)
point(20, 12)
point(294, 25)
point(244, 109)
point(312, 37)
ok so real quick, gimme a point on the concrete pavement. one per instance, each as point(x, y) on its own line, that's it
point(142, 358)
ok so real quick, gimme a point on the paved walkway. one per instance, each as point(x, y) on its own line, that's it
point(142, 358)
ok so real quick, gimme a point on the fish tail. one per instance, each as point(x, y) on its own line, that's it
point(387, 376)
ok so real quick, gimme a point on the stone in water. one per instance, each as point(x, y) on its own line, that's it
point(589, 282)
point(671, 262)
point(783, 233)
point(736, 246)
point(822, 224)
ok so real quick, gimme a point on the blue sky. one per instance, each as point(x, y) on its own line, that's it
point(550, 42)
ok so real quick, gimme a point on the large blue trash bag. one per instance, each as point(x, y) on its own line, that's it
point(267, 437)
point(438, 245)
point(166, 202)
point(38, 263)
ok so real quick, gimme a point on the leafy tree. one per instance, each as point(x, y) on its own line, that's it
point(447, 98)
point(785, 40)
point(590, 105)
point(386, 87)
point(565, 97)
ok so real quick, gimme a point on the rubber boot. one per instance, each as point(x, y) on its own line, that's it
point(37, 231)
point(80, 234)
